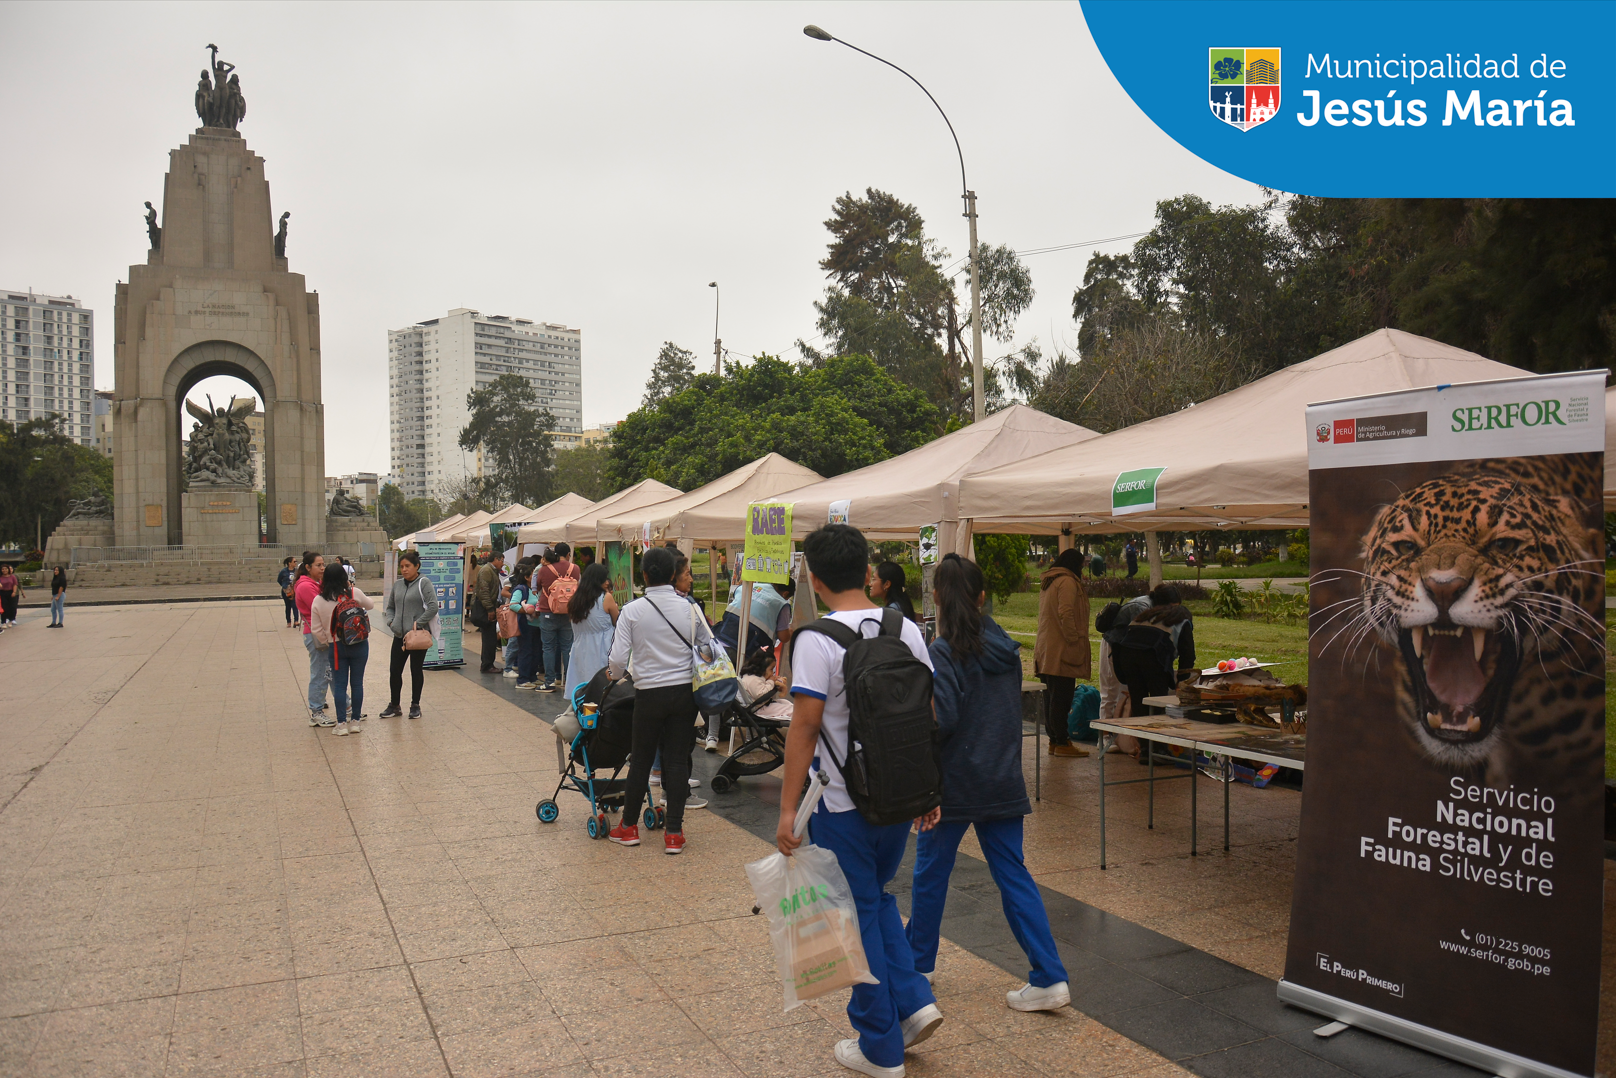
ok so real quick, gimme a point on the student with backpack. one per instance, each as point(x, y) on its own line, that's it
point(339, 622)
point(978, 698)
point(555, 584)
point(861, 685)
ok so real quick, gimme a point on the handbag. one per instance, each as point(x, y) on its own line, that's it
point(418, 639)
point(712, 679)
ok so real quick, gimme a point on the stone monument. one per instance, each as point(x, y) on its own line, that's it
point(214, 298)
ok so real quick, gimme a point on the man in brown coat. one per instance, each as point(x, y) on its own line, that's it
point(1061, 655)
point(485, 594)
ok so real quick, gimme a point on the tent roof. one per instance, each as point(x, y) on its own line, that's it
point(458, 533)
point(568, 505)
point(404, 541)
point(895, 498)
point(716, 511)
point(514, 513)
point(1237, 460)
point(579, 527)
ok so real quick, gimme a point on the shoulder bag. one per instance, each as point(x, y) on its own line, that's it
point(418, 639)
point(712, 675)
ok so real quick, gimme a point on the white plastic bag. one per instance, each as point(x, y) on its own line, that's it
point(813, 921)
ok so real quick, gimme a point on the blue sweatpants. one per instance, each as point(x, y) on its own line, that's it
point(869, 857)
point(1023, 906)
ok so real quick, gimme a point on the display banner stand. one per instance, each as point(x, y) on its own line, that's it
point(442, 564)
point(1449, 866)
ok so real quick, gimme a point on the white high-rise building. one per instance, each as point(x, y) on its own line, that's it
point(433, 365)
point(47, 361)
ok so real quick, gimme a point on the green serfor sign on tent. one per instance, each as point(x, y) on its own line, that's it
point(1135, 491)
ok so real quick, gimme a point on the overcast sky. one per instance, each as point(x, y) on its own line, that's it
point(591, 164)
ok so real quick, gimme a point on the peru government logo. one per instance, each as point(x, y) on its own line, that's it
point(1244, 86)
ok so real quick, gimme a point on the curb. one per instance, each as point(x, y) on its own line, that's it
point(151, 602)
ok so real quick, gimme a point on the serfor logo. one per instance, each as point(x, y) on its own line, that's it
point(1244, 89)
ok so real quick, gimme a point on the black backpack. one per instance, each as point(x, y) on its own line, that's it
point(893, 767)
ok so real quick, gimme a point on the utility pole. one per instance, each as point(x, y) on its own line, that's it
point(718, 345)
point(976, 309)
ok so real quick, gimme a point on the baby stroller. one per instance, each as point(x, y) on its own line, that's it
point(763, 740)
point(603, 740)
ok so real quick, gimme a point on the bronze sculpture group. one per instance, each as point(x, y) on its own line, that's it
point(218, 100)
point(219, 453)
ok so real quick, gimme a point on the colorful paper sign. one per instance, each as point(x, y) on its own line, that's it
point(767, 556)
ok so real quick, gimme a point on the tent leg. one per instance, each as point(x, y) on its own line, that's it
point(1153, 551)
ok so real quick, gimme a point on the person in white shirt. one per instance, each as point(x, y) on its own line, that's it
point(901, 1010)
point(659, 629)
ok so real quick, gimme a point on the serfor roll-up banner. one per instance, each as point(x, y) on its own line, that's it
point(441, 563)
point(1449, 868)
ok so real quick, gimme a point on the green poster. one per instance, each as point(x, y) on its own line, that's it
point(1135, 491)
point(620, 566)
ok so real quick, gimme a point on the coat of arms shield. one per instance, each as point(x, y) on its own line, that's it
point(1243, 86)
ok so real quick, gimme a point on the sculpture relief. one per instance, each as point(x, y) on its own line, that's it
point(93, 506)
point(219, 453)
point(344, 504)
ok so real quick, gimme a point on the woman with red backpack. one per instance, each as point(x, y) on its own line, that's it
point(338, 621)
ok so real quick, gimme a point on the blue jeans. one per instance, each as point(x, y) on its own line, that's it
point(527, 646)
point(58, 607)
point(1023, 906)
point(319, 671)
point(348, 679)
point(869, 857)
point(555, 632)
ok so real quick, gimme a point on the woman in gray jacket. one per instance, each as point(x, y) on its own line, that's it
point(412, 603)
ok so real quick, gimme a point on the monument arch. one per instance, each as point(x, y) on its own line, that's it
point(206, 360)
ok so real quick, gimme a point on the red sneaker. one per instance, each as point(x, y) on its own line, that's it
point(673, 842)
point(625, 836)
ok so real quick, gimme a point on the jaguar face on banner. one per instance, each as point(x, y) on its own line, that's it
point(1449, 869)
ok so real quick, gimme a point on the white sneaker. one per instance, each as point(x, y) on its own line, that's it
point(694, 783)
point(690, 802)
point(920, 1025)
point(656, 780)
point(848, 1055)
point(712, 744)
point(1028, 998)
point(342, 729)
point(353, 726)
point(511, 672)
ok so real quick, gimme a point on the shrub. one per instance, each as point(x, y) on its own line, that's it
point(1003, 560)
point(1300, 553)
point(1226, 601)
point(1272, 555)
point(1119, 587)
point(1225, 556)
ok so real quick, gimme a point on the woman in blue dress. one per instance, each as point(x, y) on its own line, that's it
point(594, 617)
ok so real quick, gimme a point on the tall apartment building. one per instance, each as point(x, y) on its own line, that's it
point(47, 361)
point(101, 403)
point(433, 365)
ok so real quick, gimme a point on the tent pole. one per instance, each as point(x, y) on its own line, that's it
point(1153, 550)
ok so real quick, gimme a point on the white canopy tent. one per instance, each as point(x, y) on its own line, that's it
point(1236, 461)
point(568, 505)
point(477, 535)
point(457, 534)
point(897, 497)
point(403, 542)
point(579, 528)
point(715, 512)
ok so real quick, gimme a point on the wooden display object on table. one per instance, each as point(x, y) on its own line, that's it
point(1250, 692)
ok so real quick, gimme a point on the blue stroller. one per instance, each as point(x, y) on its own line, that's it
point(603, 741)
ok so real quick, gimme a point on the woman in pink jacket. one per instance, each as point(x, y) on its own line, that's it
point(347, 660)
point(304, 591)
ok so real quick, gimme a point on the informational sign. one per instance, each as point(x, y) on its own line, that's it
point(620, 567)
point(768, 543)
point(840, 512)
point(1449, 870)
point(1135, 491)
point(444, 567)
point(928, 543)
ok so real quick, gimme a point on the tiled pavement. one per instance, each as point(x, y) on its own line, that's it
point(192, 881)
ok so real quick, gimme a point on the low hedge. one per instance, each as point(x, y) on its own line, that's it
point(1121, 587)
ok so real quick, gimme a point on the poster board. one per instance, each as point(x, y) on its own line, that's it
point(620, 567)
point(767, 558)
point(442, 565)
point(1449, 872)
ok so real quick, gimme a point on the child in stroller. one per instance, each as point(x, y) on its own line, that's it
point(761, 711)
point(604, 714)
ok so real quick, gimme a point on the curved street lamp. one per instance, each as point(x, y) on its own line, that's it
point(968, 195)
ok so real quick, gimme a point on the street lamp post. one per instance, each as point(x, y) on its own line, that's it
point(969, 197)
point(718, 345)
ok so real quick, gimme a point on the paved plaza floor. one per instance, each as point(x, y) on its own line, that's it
point(195, 882)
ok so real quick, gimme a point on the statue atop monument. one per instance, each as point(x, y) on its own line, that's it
point(154, 231)
point(219, 101)
point(219, 453)
point(344, 504)
point(280, 237)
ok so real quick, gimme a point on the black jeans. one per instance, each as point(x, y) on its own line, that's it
point(291, 610)
point(395, 672)
point(1058, 692)
point(490, 635)
point(664, 719)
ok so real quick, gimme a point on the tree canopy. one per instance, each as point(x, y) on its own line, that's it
point(581, 470)
point(514, 433)
point(399, 515)
point(674, 370)
point(843, 414)
point(44, 470)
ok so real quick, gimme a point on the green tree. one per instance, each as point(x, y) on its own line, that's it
point(673, 371)
point(44, 470)
point(1003, 561)
point(394, 512)
point(581, 470)
point(844, 414)
point(513, 431)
